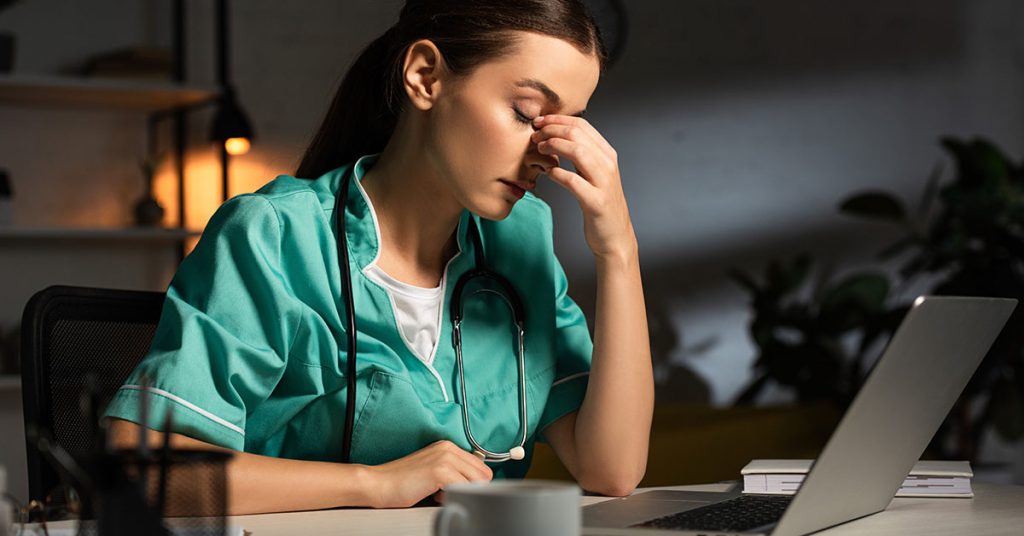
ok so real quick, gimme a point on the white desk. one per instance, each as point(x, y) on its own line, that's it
point(995, 510)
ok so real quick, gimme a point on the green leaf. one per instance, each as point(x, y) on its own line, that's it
point(979, 162)
point(880, 205)
point(794, 274)
point(783, 277)
point(847, 304)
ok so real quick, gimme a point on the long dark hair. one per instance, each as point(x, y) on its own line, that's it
point(468, 33)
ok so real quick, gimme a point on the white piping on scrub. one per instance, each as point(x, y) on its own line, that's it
point(187, 404)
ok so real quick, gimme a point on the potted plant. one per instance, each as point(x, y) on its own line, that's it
point(968, 235)
point(803, 330)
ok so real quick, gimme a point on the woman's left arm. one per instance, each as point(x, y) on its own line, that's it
point(604, 445)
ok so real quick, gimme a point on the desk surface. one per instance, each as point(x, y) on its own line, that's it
point(995, 510)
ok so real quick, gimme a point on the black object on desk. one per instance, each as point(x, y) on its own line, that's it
point(129, 492)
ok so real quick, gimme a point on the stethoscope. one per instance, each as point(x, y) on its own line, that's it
point(479, 272)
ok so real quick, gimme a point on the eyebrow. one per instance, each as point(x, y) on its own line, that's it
point(549, 94)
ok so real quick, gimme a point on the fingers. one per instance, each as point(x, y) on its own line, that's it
point(467, 465)
point(478, 469)
point(475, 470)
point(403, 482)
point(597, 183)
point(582, 190)
point(568, 132)
point(578, 147)
point(597, 146)
point(576, 139)
point(592, 167)
point(567, 124)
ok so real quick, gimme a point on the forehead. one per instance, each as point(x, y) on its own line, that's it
point(571, 74)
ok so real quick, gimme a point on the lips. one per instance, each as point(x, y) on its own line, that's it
point(515, 190)
point(525, 186)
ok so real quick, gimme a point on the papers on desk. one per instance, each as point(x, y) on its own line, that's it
point(926, 479)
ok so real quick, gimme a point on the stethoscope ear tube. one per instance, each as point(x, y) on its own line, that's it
point(518, 315)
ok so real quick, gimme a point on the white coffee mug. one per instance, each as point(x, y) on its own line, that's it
point(510, 508)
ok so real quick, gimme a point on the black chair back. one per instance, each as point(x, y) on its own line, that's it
point(67, 333)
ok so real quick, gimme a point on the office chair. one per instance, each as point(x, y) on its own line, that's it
point(66, 333)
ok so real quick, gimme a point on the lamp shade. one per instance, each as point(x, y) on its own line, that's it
point(230, 121)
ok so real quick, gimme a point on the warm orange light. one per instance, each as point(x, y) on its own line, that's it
point(202, 191)
point(236, 146)
point(202, 184)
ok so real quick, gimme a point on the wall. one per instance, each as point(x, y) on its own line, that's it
point(741, 124)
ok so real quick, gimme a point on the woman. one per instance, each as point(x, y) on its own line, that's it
point(430, 149)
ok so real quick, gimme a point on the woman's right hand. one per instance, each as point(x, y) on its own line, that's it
point(405, 481)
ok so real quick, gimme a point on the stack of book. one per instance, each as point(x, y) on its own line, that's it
point(926, 479)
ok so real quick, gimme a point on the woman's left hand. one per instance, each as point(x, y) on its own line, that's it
point(596, 184)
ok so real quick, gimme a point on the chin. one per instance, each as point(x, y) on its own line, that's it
point(493, 209)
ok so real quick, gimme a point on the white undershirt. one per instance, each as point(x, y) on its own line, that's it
point(417, 311)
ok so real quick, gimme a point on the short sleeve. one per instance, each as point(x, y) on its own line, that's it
point(225, 330)
point(573, 350)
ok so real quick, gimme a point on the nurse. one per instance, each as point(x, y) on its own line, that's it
point(434, 142)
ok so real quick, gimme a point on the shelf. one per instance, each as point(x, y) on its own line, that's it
point(87, 233)
point(98, 92)
point(10, 382)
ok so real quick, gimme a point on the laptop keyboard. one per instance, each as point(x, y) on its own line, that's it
point(742, 513)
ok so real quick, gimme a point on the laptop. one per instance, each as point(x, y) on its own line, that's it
point(904, 399)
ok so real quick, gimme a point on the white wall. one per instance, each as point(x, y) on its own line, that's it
point(739, 124)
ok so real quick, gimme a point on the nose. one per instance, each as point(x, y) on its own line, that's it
point(541, 163)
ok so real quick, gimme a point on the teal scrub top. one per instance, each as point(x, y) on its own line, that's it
point(250, 352)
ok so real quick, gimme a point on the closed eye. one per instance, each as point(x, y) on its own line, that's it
point(522, 118)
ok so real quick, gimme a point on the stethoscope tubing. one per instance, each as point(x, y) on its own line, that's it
point(340, 201)
point(511, 299)
point(490, 456)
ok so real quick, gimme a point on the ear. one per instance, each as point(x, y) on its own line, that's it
point(422, 73)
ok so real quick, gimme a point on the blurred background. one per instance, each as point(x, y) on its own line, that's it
point(797, 172)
